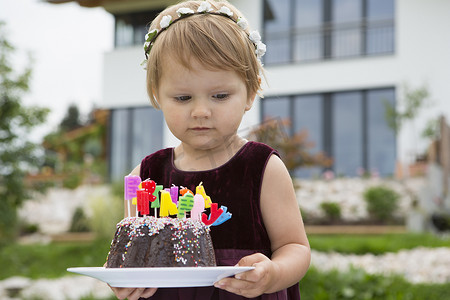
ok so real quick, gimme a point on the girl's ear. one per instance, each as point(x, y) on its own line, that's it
point(250, 100)
point(252, 96)
point(154, 93)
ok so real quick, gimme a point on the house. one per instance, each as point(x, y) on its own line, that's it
point(332, 66)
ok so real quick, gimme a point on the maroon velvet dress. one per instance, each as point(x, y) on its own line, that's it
point(236, 185)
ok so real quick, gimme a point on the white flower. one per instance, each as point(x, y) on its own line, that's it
point(254, 36)
point(204, 7)
point(242, 23)
point(184, 11)
point(260, 49)
point(165, 21)
point(144, 64)
point(226, 11)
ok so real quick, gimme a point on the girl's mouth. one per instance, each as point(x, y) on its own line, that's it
point(200, 128)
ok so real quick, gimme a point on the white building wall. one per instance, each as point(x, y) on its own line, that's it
point(422, 57)
point(423, 51)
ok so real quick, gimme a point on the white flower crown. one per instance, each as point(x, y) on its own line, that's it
point(205, 7)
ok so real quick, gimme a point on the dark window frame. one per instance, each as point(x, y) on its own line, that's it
point(327, 117)
point(326, 29)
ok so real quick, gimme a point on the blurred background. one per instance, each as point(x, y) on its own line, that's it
point(356, 102)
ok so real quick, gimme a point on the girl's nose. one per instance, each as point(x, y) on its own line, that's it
point(201, 109)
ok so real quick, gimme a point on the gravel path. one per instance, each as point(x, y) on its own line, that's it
point(419, 265)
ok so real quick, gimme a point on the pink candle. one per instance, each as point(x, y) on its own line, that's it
point(199, 207)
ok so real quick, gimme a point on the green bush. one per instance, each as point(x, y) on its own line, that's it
point(356, 284)
point(27, 228)
point(73, 181)
point(382, 202)
point(107, 212)
point(80, 222)
point(331, 210)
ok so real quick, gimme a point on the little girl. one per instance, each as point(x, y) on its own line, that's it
point(203, 72)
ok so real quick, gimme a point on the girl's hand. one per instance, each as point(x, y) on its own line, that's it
point(252, 283)
point(133, 293)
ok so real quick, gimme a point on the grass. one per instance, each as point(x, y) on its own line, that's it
point(50, 261)
point(375, 244)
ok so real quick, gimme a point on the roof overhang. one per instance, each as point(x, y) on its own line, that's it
point(117, 6)
point(84, 3)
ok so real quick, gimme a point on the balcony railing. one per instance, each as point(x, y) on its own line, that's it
point(330, 41)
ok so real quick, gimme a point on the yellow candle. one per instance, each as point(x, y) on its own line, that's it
point(167, 206)
point(200, 189)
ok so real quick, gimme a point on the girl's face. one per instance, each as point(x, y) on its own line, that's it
point(203, 108)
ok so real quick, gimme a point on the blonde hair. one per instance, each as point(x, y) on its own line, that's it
point(215, 41)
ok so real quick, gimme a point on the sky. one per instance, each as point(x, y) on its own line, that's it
point(67, 43)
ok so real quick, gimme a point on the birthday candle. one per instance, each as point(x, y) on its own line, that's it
point(215, 214)
point(200, 189)
point(150, 188)
point(199, 207)
point(225, 216)
point(140, 199)
point(185, 204)
point(167, 206)
point(174, 194)
point(131, 183)
point(143, 202)
point(158, 188)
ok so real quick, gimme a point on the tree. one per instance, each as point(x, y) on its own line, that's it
point(17, 154)
point(296, 151)
point(411, 105)
point(72, 119)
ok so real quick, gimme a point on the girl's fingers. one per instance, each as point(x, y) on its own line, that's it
point(136, 294)
point(148, 292)
point(240, 287)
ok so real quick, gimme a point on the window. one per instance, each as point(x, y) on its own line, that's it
point(347, 133)
point(308, 117)
point(305, 30)
point(131, 28)
point(349, 126)
point(380, 138)
point(135, 133)
point(275, 28)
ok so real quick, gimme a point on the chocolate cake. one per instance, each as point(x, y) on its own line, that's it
point(161, 242)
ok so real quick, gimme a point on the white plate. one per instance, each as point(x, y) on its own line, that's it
point(160, 277)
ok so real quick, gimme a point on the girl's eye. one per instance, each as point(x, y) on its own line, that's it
point(183, 98)
point(221, 96)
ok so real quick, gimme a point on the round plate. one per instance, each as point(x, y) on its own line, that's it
point(160, 277)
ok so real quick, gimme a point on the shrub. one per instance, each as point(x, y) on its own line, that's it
point(80, 222)
point(356, 284)
point(382, 202)
point(107, 211)
point(331, 210)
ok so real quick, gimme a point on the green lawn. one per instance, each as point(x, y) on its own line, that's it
point(375, 244)
point(51, 261)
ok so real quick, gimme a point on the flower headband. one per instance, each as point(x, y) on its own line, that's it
point(205, 7)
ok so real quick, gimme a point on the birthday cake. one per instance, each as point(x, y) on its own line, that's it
point(161, 242)
point(178, 237)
